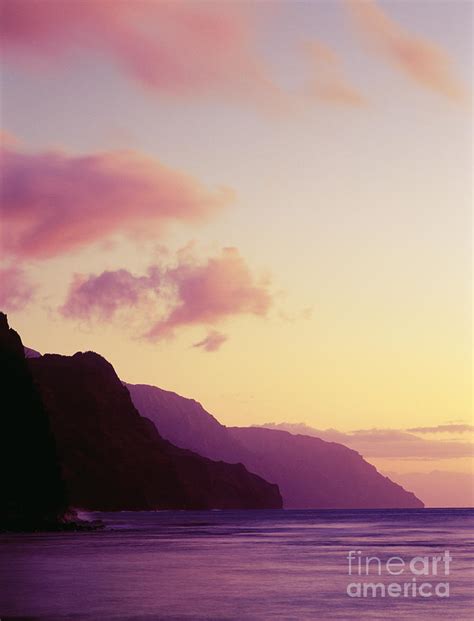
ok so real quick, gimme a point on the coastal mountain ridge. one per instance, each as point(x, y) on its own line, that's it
point(72, 438)
point(311, 473)
point(113, 459)
point(125, 446)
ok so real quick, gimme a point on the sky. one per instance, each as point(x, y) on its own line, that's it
point(265, 206)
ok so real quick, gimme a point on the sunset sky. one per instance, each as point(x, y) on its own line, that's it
point(265, 206)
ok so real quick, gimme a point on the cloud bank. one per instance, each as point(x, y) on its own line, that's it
point(449, 428)
point(386, 443)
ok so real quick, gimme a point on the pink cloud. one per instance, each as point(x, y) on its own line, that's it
point(422, 61)
point(15, 290)
point(212, 342)
point(53, 202)
point(207, 293)
point(191, 293)
point(329, 83)
point(101, 297)
point(177, 48)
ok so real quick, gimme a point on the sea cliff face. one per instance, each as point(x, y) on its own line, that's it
point(311, 473)
point(32, 492)
point(112, 458)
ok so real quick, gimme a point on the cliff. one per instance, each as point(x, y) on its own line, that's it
point(112, 458)
point(32, 492)
point(185, 423)
point(311, 473)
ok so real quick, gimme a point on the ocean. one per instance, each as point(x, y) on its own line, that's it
point(245, 565)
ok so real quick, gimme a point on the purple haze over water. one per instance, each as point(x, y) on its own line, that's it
point(239, 565)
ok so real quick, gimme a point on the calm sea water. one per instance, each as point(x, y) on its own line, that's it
point(239, 565)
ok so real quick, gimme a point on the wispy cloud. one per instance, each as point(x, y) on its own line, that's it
point(179, 49)
point(212, 342)
point(53, 202)
point(424, 62)
point(449, 428)
point(329, 83)
point(183, 50)
point(16, 291)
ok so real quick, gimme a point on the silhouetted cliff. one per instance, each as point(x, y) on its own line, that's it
point(310, 472)
point(185, 423)
point(32, 493)
point(112, 458)
point(313, 473)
